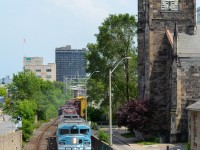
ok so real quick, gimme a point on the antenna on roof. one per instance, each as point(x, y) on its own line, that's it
point(24, 44)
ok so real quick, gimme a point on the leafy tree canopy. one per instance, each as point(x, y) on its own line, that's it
point(115, 41)
point(26, 86)
point(26, 109)
point(30, 96)
point(3, 92)
point(94, 114)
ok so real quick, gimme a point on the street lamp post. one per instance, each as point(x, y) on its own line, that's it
point(86, 94)
point(110, 99)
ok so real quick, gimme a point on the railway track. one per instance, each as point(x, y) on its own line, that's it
point(39, 140)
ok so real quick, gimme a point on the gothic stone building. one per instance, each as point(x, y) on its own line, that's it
point(194, 125)
point(169, 63)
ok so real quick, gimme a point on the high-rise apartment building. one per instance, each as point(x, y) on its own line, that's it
point(198, 15)
point(70, 63)
point(35, 64)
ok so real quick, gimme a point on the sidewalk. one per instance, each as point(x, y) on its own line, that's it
point(130, 141)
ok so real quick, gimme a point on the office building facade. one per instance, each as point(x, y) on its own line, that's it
point(35, 64)
point(198, 16)
point(70, 63)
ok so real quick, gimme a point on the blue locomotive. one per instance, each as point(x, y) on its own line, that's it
point(73, 133)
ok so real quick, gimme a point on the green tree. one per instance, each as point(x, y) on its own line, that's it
point(44, 93)
point(115, 41)
point(3, 92)
point(94, 115)
point(25, 86)
point(30, 96)
point(26, 109)
point(27, 129)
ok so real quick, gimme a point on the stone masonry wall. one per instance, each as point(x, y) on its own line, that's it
point(155, 56)
point(194, 122)
point(11, 141)
point(160, 81)
point(190, 87)
point(184, 17)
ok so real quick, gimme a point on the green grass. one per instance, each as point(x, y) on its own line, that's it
point(149, 141)
point(128, 135)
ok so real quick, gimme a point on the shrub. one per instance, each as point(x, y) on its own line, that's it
point(136, 115)
point(27, 129)
point(94, 126)
point(94, 114)
point(188, 146)
point(128, 135)
point(103, 136)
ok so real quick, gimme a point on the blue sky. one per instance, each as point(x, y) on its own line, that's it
point(47, 24)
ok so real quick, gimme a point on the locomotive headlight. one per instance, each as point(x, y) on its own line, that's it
point(74, 140)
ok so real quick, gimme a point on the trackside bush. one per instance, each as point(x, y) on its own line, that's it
point(103, 136)
point(188, 146)
point(94, 126)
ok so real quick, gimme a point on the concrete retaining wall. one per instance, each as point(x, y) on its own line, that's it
point(99, 145)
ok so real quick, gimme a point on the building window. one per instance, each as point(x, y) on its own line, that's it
point(48, 70)
point(169, 5)
point(28, 58)
point(38, 70)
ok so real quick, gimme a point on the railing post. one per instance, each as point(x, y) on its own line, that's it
point(167, 147)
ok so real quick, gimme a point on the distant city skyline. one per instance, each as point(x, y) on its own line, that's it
point(36, 28)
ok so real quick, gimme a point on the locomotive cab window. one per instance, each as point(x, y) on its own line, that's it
point(84, 131)
point(74, 131)
point(169, 5)
point(64, 131)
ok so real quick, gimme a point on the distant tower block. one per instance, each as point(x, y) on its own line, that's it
point(70, 63)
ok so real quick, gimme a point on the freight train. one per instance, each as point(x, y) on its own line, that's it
point(74, 106)
point(73, 132)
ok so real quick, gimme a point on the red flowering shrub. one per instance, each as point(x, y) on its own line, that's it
point(136, 114)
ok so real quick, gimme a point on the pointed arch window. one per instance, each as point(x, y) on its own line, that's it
point(169, 5)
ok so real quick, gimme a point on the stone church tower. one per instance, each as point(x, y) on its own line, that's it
point(159, 22)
